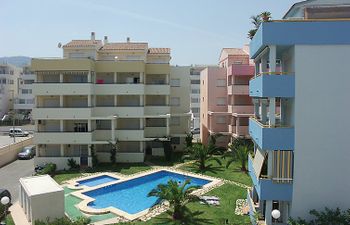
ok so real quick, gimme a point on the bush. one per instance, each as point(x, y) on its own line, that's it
point(93, 156)
point(73, 165)
point(327, 217)
point(64, 221)
point(49, 168)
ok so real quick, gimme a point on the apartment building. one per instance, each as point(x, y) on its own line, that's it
point(25, 100)
point(195, 72)
point(101, 93)
point(239, 71)
point(8, 87)
point(301, 153)
point(214, 116)
point(225, 102)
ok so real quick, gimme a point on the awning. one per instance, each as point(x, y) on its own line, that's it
point(258, 162)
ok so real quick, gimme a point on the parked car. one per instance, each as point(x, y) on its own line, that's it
point(27, 152)
point(195, 131)
point(18, 132)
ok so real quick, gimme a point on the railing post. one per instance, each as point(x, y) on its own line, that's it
point(272, 58)
point(272, 112)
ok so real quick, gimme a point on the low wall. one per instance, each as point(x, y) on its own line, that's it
point(8, 153)
point(122, 157)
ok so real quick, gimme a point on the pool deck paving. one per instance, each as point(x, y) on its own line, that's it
point(18, 216)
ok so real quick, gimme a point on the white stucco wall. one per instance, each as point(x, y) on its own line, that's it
point(322, 128)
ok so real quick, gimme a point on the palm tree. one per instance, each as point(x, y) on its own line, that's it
point(239, 151)
point(189, 140)
point(204, 153)
point(256, 21)
point(266, 16)
point(177, 195)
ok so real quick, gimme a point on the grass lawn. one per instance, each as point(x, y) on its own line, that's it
point(233, 172)
point(124, 168)
point(228, 195)
point(9, 220)
point(161, 161)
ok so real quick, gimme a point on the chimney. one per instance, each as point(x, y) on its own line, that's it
point(92, 36)
point(105, 40)
point(128, 39)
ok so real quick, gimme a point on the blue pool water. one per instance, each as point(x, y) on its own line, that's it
point(97, 180)
point(131, 196)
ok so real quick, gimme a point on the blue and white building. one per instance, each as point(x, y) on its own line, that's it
point(300, 129)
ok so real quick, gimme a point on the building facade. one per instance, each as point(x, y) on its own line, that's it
point(25, 100)
point(8, 87)
point(225, 102)
point(295, 143)
point(195, 72)
point(103, 94)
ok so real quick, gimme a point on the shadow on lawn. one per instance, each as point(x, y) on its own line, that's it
point(190, 218)
point(210, 168)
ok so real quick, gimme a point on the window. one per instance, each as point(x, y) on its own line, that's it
point(26, 91)
point(30, 101)
point(3, 81)
point(195, 100)
point(22, 101)
point(10, 81)
point(237, 62)
point(195, 81)
point(220, 83)
point(175, 121)
point(195, 91)
point(175, 101)
point(175, 140)
point(220, 101)
point(195, 110)
point(220, 119)
point(175, 82)
point(28, 81)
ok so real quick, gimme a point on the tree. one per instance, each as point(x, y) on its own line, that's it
point(265, 16)
point(326, 217)
point(189, 140)
point(203, 153)
point(177, 195)
point(240, 149)
point(93, 156)
point(113, 151)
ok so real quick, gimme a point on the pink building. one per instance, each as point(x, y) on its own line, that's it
point(225, 102)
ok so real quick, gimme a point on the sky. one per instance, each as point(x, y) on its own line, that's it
point(195, 30)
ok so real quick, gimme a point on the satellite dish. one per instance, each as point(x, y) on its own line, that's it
point(59, 45)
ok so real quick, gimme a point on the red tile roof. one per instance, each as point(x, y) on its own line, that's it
point(125, 46)
point(234, 51)
point(159, 51)
point(83, 43)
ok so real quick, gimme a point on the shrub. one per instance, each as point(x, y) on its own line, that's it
point(49, 168)
point(326, 217)
point(64, 221)
point(73, 165)
point(93, 156)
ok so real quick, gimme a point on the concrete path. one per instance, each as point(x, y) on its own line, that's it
point(18, 216)
point(10, 174)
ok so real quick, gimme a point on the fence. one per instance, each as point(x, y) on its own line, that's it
point(8, 153)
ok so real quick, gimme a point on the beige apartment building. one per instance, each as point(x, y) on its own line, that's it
point(101, 93)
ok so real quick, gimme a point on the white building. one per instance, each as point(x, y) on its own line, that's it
point(25, 100)
point(8, 87)
point(195, 95)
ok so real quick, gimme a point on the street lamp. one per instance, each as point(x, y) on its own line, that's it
point(5, 201)
point(276, 214)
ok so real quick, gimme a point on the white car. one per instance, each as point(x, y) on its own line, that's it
point(18, 132)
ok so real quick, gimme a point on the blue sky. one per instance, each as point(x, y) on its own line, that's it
point(195, 30)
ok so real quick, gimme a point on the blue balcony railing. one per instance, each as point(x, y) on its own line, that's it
point(271, 138)
point(272, 85)
point(267, 189)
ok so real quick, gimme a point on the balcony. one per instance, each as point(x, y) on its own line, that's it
point(63, 137)
point(157, 110)
point(240, 131)
point(62, 88)
point(157, 89)
point(105, 66)
point(272, 85)
point(237, 89)
point(241, 109)
point(157, 68)
point(58, 64)
point(267, 189)
point(271, 138)
point(300, 33)
point(241, 70)
point(121, 111)
point(155, 132)
point(119, 89)
point(121, 135)
point(62, 113)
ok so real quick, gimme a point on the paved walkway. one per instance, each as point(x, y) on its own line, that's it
point(18, 216)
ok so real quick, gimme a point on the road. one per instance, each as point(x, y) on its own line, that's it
point(10, 174)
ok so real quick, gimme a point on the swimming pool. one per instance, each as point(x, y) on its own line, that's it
point(131, 195)
point(91, 182)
